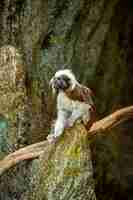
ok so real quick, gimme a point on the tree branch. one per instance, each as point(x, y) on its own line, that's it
point(112, 120)
point(35, 150)
point(26, 153)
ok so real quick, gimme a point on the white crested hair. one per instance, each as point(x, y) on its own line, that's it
point(69, 74)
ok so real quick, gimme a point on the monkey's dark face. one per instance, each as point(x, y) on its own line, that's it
point(61, 83)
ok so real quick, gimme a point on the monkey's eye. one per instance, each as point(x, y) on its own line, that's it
point(59, 78)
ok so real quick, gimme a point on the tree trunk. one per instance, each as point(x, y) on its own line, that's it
point(64, 171)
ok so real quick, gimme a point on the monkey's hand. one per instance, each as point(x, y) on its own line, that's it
point(51, 138)
point(69, 123)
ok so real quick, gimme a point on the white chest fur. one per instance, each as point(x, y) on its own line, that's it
point(63, 102)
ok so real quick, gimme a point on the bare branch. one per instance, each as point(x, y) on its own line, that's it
point(112, 120)
point(26, 153)
point(35, 150)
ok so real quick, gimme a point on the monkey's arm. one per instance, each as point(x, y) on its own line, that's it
point(59, 125)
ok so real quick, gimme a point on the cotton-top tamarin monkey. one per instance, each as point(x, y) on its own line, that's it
point(74, 101)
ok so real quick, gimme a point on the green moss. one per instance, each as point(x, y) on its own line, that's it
point(73, 152)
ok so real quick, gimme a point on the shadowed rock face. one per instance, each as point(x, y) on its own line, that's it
point(94, 38)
